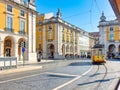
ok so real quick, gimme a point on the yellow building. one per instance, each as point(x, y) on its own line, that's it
point(109, 32)
point(57, 38)
point(17, 29)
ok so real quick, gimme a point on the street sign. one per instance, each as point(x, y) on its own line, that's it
point(23, 49)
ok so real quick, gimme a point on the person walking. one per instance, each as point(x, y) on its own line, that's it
point(39, 56)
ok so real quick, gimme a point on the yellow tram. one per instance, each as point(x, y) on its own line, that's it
point(98, 54)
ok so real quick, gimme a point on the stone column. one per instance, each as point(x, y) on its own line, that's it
point(64, 50)
point(74, 43)
point(107, 47)
point(77, 44)
point(16, 50)
point(58, 42)
point(117, 46)
point(69, 50)
point(32, 37)
point(44, 42)
point(1, 49)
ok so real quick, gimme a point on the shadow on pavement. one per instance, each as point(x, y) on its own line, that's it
point(60, 76)
point(80, 64)
point(113, 59)
point(104, 73)
point(105, 80)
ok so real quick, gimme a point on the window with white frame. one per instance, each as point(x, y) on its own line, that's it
point(9, 8)
point(22, 25)
point(111, 34)
point(63, 34)
point(75, 48)
point(40, 22)
point(49, 32)
point(71, 36)
point(22, 13)
point(67, 33)
point(39, 29)
point(9, 23)
point(39, 37)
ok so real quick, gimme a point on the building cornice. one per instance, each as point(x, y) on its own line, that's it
point(61, 21)
point(16, 34)
point(22, 6)
point(109, 23)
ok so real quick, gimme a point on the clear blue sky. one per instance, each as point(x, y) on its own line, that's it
point(81, 13)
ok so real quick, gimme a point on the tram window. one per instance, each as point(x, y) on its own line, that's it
point(100, 51)
point(94, 52)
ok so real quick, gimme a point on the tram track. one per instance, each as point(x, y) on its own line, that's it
point(116, 82)
point(94, 77)
point(99, 74)
point(102, 79)
point(90, 78)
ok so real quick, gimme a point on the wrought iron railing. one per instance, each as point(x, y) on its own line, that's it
point(9, 30)
point(22, 32)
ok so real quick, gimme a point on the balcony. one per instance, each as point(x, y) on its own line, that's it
point(63, 40)
point(22, 32)
point(9, 30)
point(111, 40)
point(50, 40)
point(68, 41)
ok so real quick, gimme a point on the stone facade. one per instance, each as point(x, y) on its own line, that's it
point(18, 25)
point(59, 39)
point(110, 35)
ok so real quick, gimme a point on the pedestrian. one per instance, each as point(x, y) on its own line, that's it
point(85, 56)
point(39, 56)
